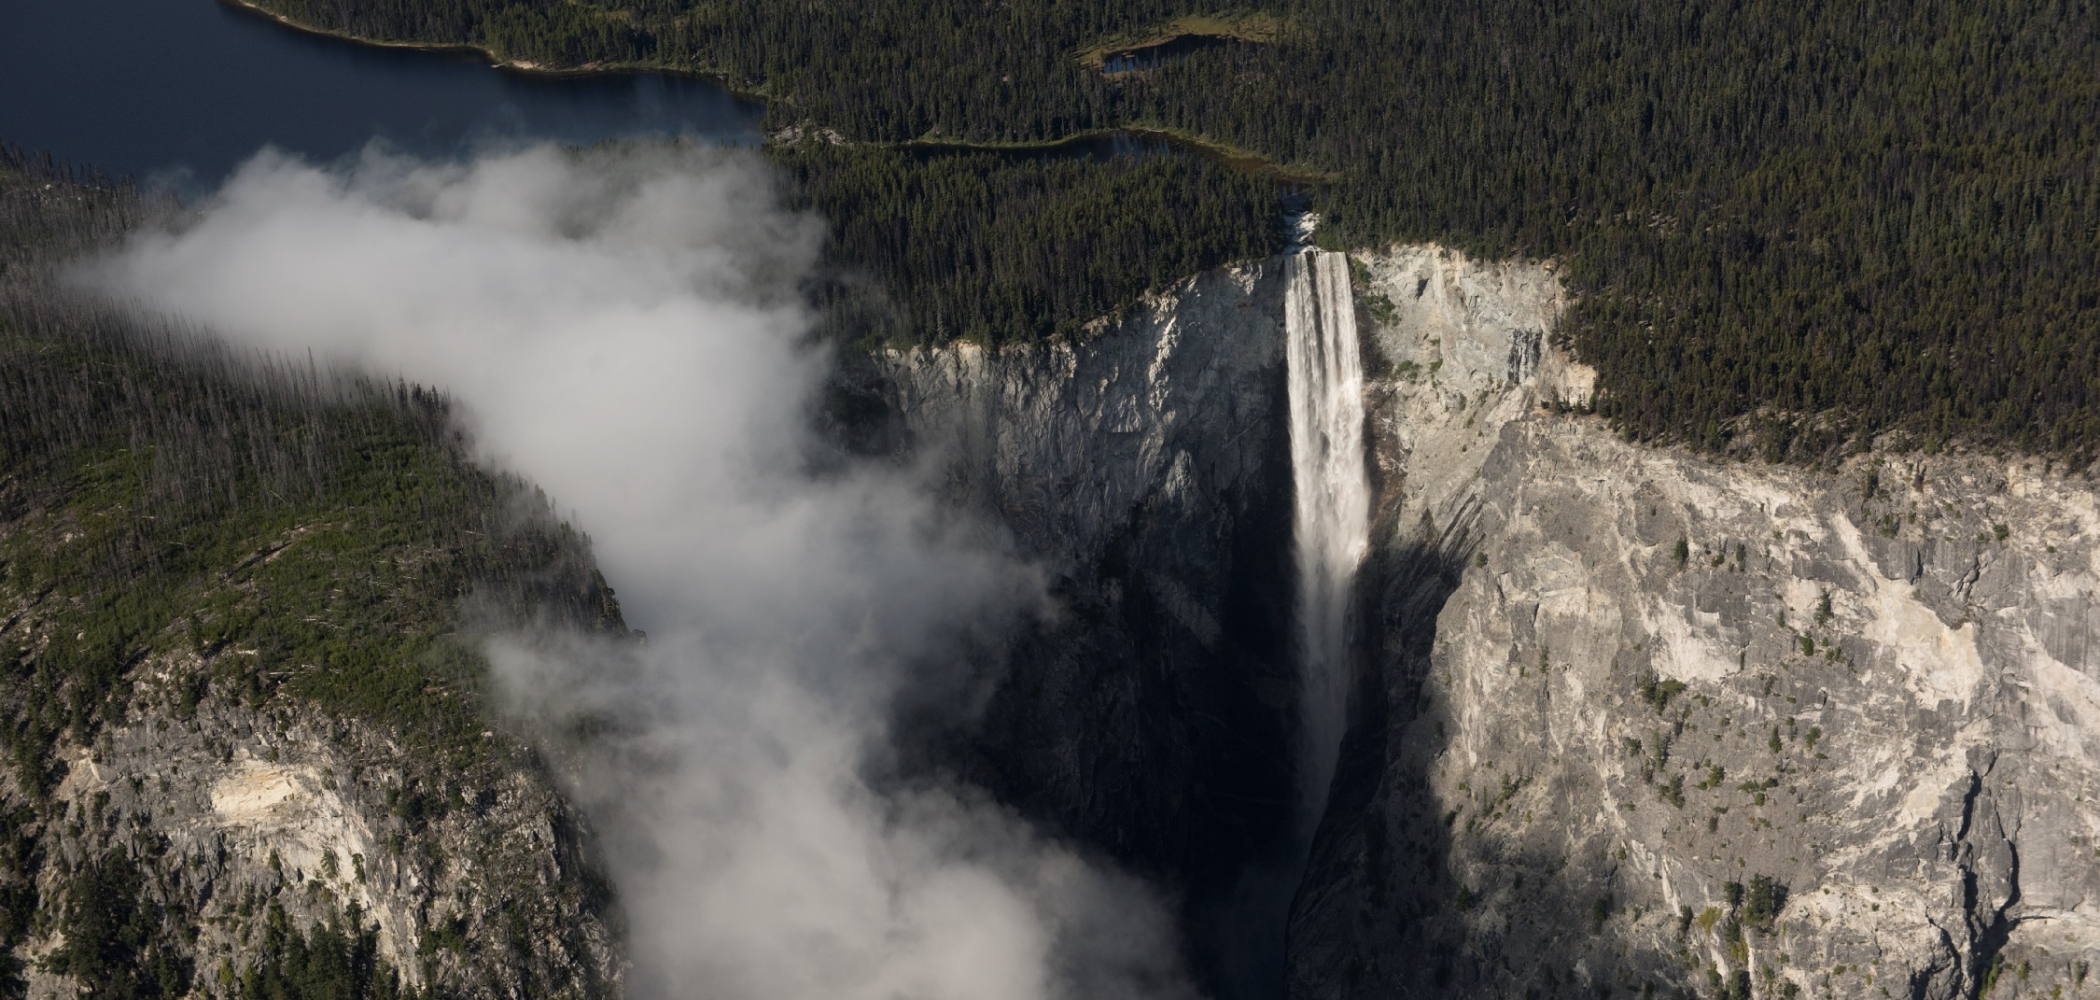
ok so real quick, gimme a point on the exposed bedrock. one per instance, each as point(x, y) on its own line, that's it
point(205, 821)
point(190, 831)
point(1147, 471)
point(1686, 724)
point(1833, 743)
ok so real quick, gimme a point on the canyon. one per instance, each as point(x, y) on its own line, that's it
point(1620, 719)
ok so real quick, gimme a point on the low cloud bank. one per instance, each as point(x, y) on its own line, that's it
point(621, 327)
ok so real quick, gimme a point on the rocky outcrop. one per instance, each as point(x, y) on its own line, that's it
point(197, 798)
point(223, 825)
point(1638, 721)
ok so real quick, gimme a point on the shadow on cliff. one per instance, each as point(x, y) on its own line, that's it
point(1151, 719)
point(1411, 895)
point(1402, 589)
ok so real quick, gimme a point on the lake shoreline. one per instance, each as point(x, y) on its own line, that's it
point(522, 67)
point(1239, 159)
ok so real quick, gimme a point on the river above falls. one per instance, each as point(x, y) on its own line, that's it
point(179, 92)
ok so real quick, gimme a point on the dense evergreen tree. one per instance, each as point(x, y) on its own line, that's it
point(996, 247)
point(337, 960)
point(141, 468)
point(188, 523)
point(1811, 220)
point(117, 940)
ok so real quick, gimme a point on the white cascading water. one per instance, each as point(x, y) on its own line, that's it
point(1332, 517)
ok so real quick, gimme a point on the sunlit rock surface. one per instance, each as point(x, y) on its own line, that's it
point(1863, 695)
point(1887, 706)
point(478, 883)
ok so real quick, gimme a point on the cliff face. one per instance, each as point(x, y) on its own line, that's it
point(1626, 719)
point(204, 827)
point(1146, 470)
point(478, 885)
point(1675, 721)
point(1629, 720)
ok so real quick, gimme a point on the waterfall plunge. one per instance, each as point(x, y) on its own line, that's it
point(1333, 504)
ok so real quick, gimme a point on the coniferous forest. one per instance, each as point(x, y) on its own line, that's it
point(162, 457)
point(1811, 220)
point(990, 248)
point(168, 498)
point(1793, 230)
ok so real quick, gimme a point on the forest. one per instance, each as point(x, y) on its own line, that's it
point(995, 247)
point(165, 498)
point(1793, 224)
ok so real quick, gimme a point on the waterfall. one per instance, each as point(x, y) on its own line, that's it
point(1331, 521)
point(1331, 531)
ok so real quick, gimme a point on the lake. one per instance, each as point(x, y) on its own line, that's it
point(177, 93)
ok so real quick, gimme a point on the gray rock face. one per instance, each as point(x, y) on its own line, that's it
point(477, 887)
point(184, 840)
point(1677, 722)
point(1065, 439)
point(1629, 720)
point(1146, 470)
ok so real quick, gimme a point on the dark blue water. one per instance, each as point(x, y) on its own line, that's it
point(179, 92)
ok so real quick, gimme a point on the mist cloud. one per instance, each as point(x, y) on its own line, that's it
point(622, 329)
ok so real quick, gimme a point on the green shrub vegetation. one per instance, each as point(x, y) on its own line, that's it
point(337, 960)
point(301, 534)
point(1762, 901)
point(1657, 692)
point(1672, 791)
point(118, 942)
